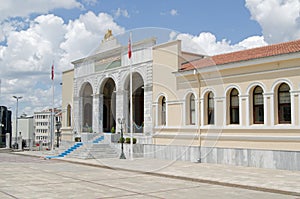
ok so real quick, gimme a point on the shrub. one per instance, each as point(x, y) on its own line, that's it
point(121, 140)
point(128, 140)
point(112, 130)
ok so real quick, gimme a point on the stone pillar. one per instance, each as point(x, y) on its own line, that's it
point(119, 108)
point(244, 110)
point(294, 108)
point(148, 121)
point(96, 117)
point(7, 140)
point(220, 111)
point(202, 112)
point(126, 115)
point(77, 118)
point(267, 109)
point(100, 108)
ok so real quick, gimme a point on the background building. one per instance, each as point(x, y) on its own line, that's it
point(5, 126)
point(26, 127)
point(42, 122)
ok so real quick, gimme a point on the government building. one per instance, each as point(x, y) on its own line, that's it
point(240, 108)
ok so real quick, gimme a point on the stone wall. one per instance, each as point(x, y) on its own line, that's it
point(286, 160)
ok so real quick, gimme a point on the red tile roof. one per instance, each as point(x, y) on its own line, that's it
point(255, 53)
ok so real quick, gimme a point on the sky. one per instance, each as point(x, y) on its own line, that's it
point(34, 34)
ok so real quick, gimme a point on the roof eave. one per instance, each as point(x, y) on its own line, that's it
point(258, 61)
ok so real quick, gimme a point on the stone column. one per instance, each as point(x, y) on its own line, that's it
point(202, 112)
point(100, 108)
point(244, 110)
point(267, 109)
point(126, 111)
point(119, 108)
point(77, 115)
point(220, 111)
point(294, 108)
point(148, 122)
point(96, 117)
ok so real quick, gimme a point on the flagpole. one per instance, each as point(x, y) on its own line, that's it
point(131, 104)
point(52, 111)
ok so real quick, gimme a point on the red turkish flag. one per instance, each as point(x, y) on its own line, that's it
point(129, 49)
point(52, 72)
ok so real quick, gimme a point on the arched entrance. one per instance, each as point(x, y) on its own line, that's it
point(87, 107)
point(108, 105)
point(137, 101)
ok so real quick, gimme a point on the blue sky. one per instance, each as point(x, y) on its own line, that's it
point(228, 19)
point(36, 33)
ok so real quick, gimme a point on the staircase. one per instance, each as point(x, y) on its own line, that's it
point(67, 152)
point(98, 140)
point(101, 151)
point(98, 148)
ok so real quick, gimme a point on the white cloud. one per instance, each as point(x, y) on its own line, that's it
point(90, 2)
point(85, 34)
point(17, 8)
point(207, 44)
point(120, 12)
point(279, 19)
point(173, 12)
point(27, 55)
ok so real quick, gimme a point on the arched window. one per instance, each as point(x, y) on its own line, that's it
point(258, 105)
point(69, 116)
point(234, 107)
point(210, 108)
point(163, 111)
point(192, 110)
point(284, 104)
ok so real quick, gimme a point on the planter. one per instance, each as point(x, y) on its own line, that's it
point(112, 137)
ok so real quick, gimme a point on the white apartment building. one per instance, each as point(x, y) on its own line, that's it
point(42, 122)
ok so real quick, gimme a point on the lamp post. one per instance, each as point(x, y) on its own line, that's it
point(58, 126)
point(16, 138)
point(121, 121)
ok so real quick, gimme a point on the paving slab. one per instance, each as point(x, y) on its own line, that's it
point(269, 180)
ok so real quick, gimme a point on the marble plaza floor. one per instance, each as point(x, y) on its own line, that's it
point(246, 178)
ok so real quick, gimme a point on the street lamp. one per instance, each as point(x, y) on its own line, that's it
point(121, 121)
point(16, 139)
point(58, 125)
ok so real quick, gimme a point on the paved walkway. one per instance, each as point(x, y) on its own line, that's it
point(269, 180)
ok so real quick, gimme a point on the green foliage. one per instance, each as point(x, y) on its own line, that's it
point(122, 140)
point(112, 130)
point(128, 140)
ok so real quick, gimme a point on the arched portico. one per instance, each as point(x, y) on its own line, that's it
point(86, 107)
point(137, 102)
point(108, 104)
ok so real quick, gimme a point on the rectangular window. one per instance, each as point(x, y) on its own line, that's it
point(235, 115)
point(258, 114)
point(285, 114)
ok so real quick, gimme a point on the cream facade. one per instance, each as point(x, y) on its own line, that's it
point(67, 121)
point(240, 108)
point(267, 73)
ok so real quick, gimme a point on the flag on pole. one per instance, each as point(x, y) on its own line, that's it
point(52, 72)
point(129, 48)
